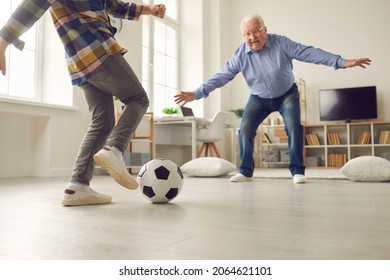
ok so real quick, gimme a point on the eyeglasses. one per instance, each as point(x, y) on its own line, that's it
point(254, 34)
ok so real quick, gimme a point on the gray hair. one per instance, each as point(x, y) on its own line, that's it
point(251, 17)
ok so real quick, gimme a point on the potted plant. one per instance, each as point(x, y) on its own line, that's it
point(238, 112)
point(170, 111)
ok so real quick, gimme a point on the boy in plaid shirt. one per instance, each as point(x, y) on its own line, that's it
point(96, 64)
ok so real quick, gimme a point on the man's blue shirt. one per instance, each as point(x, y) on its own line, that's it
point(268, 72)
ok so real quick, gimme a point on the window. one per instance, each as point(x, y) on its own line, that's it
point(160, 57)
point(19, 64)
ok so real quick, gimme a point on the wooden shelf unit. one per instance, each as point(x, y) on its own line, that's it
point(348, 141)
point(330, 144)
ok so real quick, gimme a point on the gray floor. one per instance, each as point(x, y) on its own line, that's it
point(211, 219)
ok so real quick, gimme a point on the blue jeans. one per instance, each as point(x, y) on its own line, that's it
point(113, 78)
point(256, 110)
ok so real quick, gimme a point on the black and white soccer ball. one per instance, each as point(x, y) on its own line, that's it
point(160, 180)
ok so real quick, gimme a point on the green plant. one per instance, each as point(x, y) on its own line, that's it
point(169, 110)
point(238, 112)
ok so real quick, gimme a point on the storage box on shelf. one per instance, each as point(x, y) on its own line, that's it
point(136, 159)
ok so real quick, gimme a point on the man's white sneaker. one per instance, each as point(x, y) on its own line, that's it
point(299, 179)
point(89, 197)
point(240, 178)
point(111, 160)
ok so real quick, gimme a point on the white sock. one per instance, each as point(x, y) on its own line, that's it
point(78, 187)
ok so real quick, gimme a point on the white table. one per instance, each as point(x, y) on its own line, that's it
point(174, 131)
point(168, 131)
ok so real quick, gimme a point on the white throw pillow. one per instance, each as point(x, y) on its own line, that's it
point(367, 169)
point(208, 167)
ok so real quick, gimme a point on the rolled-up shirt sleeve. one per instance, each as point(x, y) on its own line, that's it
point(22, 19)
point(120, 9)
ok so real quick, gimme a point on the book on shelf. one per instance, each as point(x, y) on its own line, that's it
point(384, 137)
point(333, 138)
point(364, 138)
point(283, 139)
point(312, 139)
point(280, 132)
point(337, 160)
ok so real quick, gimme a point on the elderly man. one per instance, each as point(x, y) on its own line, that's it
point(265, 61)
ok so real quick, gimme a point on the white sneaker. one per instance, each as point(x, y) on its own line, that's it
point(89, 197)
point(111, 160)
point(240, 178)
point(299, 179)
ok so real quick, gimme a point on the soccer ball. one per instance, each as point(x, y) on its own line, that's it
point(160, 180)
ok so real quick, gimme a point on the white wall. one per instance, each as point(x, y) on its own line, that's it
point(191, 48)
point(204, 47)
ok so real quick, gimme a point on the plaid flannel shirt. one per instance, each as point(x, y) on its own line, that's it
point(82, 25)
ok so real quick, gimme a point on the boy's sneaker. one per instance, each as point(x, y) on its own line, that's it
point(89, 197)
point(240, 178)
point(111, 160)
point(299, 179)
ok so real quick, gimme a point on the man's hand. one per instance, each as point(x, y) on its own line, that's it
point(154, 10)
point(3, 47)
point(361, 62)
point(184, 97)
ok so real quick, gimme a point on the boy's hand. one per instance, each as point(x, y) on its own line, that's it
point(158, 10)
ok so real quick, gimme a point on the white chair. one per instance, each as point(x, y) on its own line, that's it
point(214, 134)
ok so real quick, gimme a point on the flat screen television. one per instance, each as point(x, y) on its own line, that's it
point(348, 104)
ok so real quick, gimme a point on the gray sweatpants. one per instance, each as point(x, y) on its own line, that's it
point(114, 78)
